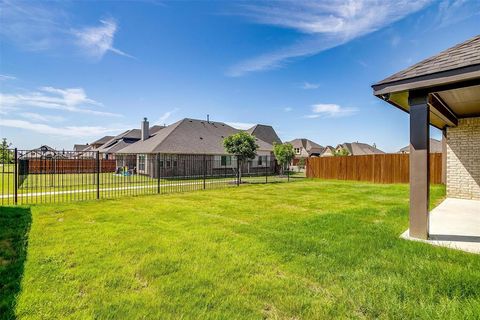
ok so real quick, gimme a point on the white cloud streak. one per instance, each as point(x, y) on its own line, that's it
point(163, 118)
point(67, 131)
point(41, 118)
point(97, 41)
point(4, 77)
point(453, 11)
point(330, 110)
point(310, 86)
point(324, 25)
point(68, 100)
point(45, 26)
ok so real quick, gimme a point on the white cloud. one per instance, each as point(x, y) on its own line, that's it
point(453, 11)
point(4, 77)
point(309, 86)
point(46, 26)
point(41, 118)
point(240, 125)
point(67, 131)
point(163, 118)
point(324, 25)
point(69, 100)
point(330, 110)
point(287, 109)
point(395, 41)
point(96, 41)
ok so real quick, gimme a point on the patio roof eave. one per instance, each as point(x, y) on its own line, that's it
point(435, 85)
point(430, 82)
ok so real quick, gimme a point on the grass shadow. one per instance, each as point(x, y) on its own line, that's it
point(14, 229)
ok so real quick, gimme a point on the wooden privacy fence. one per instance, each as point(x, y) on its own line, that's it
point(68, 165)
point(377, 168)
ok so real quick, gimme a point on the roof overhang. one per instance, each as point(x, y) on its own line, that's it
point(452, 94)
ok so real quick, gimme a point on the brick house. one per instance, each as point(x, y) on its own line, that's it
point(305, 148)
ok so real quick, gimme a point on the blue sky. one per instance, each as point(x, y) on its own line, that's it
point(74, 71)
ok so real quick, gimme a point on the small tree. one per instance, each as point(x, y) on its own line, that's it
point(6, 155)
point(243, 146)
point(341, 153)
point(301, 164)
point(284, 154)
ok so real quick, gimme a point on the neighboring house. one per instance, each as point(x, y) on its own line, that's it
point(82, 151)
point(117, 143)
point(98, 143)
point(265, 133)
point(435, 147)
point(305, 148)
point(358, 149)
point(328, 151)
point(187, 140)
point(44, 152)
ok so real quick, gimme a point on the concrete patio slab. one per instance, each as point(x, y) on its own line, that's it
point(455, 223)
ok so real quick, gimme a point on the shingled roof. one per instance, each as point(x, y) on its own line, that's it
point(462, 55)
point(126, 138)
point(103, 140)
point(435, 147)
point(359, 148)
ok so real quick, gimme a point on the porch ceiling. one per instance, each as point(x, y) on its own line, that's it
point(464, 102)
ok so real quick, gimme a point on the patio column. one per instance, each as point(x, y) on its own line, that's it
point(419, 164)
point(444, 156)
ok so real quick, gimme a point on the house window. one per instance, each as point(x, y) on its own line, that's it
point(297, 150)
point(168, 163)
point(141, 162)
point(226, 161)
point(175, 163)
point(161, 163)
point(260, 160)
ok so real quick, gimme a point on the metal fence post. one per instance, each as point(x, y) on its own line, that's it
point(98, 174)
point(158, 173)
point(266, 169)
point(15, 174)
point(204, 170)
point(288, 172)
point(238, 171)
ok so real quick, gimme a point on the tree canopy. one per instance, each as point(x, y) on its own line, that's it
point(6, 155)
point(242, 145)
point(284, 153)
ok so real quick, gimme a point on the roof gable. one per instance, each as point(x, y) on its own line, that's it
point(265, 133)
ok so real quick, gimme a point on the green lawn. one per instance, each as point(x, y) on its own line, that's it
point(303, 250)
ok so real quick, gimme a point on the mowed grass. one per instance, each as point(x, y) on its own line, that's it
point(304, 250)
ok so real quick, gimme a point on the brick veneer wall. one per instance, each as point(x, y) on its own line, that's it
point(463, 159)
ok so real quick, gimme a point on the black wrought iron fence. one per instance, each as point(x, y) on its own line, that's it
point(48, 176)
